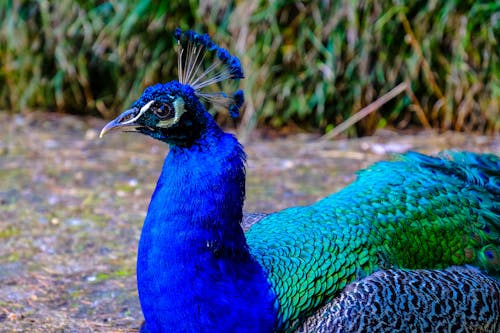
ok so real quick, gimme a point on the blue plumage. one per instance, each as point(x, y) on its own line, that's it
point(194, 239)
point(198, 272)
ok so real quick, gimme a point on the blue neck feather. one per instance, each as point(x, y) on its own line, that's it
point(194, 270)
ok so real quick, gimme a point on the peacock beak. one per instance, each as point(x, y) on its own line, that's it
point(126, 119)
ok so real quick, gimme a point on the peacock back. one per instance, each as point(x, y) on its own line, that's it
point(413, 212)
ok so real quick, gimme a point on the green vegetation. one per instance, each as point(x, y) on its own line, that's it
point(313, 63)
point(8, 232)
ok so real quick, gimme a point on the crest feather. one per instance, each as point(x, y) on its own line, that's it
point(192, 53)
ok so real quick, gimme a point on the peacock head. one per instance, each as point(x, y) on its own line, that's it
point(172, 112)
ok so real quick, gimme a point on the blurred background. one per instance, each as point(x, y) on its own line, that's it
point(308, 64)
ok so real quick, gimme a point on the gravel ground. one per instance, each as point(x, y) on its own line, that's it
point(72, 205)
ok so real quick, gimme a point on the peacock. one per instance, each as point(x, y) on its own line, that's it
point(403, 221)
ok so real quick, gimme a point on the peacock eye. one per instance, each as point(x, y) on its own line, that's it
point(163, 110)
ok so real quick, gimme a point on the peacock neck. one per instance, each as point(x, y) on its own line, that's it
point(204, 185)
point(194, 267)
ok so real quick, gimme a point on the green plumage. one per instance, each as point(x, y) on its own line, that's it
point(414, 212)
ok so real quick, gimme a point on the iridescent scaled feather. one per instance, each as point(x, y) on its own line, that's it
point(414, 212)
point(198, 272)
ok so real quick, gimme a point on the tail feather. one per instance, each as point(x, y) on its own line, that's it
point(481, 171)
point(484, 170)
point(474, 169)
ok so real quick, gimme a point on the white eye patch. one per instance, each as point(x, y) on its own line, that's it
point(179, 110)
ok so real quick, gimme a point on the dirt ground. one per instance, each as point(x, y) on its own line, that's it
point(72, 206)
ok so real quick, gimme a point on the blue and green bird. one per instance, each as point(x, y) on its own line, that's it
point(384, 242)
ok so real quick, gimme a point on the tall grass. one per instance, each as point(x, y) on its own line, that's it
point(87, 56)
point(311, 63)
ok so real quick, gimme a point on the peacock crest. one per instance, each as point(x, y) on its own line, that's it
point(195, 51)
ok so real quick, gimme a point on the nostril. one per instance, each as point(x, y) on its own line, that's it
point(127, 116)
